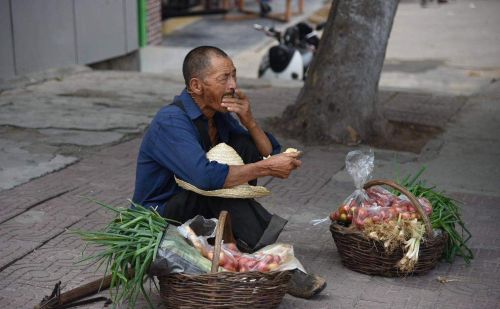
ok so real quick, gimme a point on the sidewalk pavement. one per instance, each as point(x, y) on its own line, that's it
point(87, 126)
point(38, 250)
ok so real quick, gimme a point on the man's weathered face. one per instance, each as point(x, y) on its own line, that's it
point(219, 81)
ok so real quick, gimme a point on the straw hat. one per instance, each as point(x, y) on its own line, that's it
point(225, 154)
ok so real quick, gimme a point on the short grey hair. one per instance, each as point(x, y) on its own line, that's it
point(197, 61)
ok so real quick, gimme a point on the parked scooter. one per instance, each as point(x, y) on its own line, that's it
point(290, 59)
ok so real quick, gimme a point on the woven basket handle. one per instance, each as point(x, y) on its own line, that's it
point(409, 195)
point(222, 232)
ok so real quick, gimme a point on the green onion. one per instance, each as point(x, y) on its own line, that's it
point(445, 216)
point(130, 243)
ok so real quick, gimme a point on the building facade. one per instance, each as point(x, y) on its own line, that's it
point(38, 35)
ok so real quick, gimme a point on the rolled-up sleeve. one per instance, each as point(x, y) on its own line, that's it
point(177, 147)
point(274, 142)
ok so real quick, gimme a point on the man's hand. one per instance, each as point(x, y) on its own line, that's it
point(281, 165)
point(240, 105)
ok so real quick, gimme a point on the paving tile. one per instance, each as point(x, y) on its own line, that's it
point(12, 250)
point(422, 108)
point(37, 225)
point(18, 199)
point(21, 296)
point(49, 252)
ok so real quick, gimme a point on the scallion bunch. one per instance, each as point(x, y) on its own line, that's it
point(129, 243)
point(445, 216)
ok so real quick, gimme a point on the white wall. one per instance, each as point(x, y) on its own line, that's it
point(37, 35)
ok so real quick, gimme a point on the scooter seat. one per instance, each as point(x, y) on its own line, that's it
point(279, 57)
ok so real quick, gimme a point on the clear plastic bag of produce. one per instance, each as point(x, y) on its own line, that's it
point(176, 255)
point(380, 196)
point(374, 205)
point(275, 257)
point(181, 247)
point(359, 165)
point(358, 206)
point(404, 208)
point(197, 231)
point(382, 206)
point(375, 209)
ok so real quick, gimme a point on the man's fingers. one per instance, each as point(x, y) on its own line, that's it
point(297, 163)
point(240, 94)
point(292, 154)
point(234, 108)
point(233, 103)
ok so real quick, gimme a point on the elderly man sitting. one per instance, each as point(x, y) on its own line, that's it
point(175, 176)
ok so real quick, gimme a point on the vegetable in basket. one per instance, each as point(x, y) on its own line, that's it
point(380, 205)
point(381, 215)
point(275, 257)
point(445, 216)
point(129, 243)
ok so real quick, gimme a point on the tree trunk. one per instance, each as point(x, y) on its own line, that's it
point(338, 102)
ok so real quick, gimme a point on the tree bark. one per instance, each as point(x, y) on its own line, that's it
point(338, 102)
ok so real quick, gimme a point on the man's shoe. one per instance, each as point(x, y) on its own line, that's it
point(305, 285)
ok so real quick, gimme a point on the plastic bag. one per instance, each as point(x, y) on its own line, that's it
point(426, 204)
point(359, 165)
point(197, 230)
point(175, 255)
point(374, 205)
point(375, 209)
point(358, 206)
point(275, 257)
point(381, 196)
point(287, 259)
point(371, 206)
point(180, 250)
point(407, 210)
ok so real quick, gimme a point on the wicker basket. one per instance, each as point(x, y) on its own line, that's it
point(224, 289)
point(368, 256)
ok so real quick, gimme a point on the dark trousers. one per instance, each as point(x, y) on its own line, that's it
point(253, 226)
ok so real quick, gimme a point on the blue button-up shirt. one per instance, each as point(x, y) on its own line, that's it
point(172, 146)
